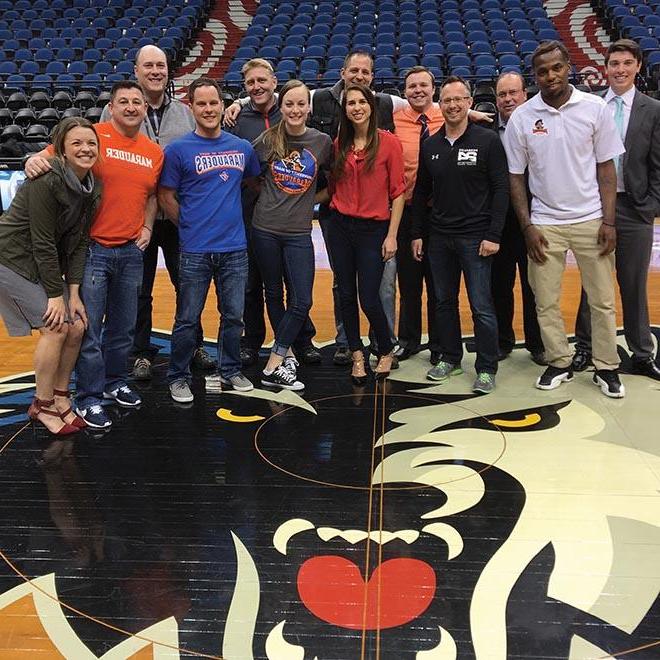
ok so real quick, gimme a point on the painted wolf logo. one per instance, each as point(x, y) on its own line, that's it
point(498, 511)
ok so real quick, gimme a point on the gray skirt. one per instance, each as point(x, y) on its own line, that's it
point(22, 303)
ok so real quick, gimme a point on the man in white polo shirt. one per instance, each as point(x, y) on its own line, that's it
point(567, 139)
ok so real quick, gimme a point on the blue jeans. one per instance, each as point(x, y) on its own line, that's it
point(110, 288)
point(356, 245)
point(449, 256)
point(229, 271)
point(287, 258)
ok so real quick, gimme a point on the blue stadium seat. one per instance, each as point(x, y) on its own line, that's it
point(502, 47)
point(486, 72)
point(527, 46)
point(114, 55)
point(509, 59)
point(484, 60)
point(457, 48)
point(315, 51)
point(125, 68)
point(7, 68)
point(42, 82)
point(337, 50)
point(463, 71)
point(431, 62)
point(454, 37)
point(458, 60)
point(103, 68)
point(433, 49)
point(479, 47)
point(292, 52)
point(476, 36)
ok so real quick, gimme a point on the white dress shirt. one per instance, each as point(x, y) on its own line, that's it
point(628, 98)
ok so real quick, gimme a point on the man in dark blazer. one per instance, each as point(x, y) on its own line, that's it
point(637, 204)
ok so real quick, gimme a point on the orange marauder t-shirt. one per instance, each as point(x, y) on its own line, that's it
point(129, 169)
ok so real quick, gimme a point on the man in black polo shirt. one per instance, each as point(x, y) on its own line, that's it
point(463, 168)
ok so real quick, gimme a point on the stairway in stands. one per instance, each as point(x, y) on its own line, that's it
point(216, 42)
point(583, 34)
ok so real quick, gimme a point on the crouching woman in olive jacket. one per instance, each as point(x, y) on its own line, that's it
point(43, 246)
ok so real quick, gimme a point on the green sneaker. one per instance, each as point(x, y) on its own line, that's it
point(441, 372)
point(484, 383)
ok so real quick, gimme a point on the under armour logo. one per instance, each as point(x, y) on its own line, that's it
point(435, 156)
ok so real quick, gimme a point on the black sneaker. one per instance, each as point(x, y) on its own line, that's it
point(581, 359)
point(553, 377)
point(249, 356)
point(202, 360)
point(310, 354)
point(609, 383)
point(342, 356)
point(283, 378)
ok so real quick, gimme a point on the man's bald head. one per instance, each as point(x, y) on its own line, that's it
point(151, 73)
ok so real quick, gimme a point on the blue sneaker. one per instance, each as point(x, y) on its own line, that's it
point(124, 396)
point(95, 417)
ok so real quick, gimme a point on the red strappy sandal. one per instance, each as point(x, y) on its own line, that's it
point(78, 422)
point(39, 406)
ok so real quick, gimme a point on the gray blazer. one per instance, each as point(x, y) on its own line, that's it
point(641, 162)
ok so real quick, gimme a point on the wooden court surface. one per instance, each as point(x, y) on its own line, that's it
point(16, 353)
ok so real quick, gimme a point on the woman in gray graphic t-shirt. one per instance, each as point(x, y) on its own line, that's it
point(292, 154)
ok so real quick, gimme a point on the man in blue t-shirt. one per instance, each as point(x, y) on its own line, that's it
point(200, 188)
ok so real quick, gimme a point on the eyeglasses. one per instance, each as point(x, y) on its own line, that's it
point(454, 99)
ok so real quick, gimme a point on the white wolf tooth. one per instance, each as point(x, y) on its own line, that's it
point(288, 529)
point(445, 650)
point(354, 536)
point(407, 535)
point(449, 535)
point(351, 535)
point(277, 648)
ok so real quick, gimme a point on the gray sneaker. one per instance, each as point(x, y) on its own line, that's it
point(484, 383)
point(141, 369)
point(441, 372)
point(237, 382)
point(180, 391)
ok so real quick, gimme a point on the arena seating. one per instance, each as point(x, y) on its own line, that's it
point(473, 38)
point(59, 57)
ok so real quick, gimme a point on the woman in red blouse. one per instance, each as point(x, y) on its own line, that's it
point(367, 195)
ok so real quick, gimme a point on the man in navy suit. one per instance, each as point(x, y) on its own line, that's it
point(637, 203)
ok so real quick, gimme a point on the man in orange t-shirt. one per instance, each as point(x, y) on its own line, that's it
point(129, 165)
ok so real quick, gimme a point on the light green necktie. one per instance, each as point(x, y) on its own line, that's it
point(618, 120)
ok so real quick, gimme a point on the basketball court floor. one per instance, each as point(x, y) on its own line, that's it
point(405, 521)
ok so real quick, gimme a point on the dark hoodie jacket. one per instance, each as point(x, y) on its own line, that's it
point(45, 232)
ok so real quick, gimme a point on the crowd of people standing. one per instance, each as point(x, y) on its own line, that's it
point(408, 188)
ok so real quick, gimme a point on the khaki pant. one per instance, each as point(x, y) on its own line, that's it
point(596, 272)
